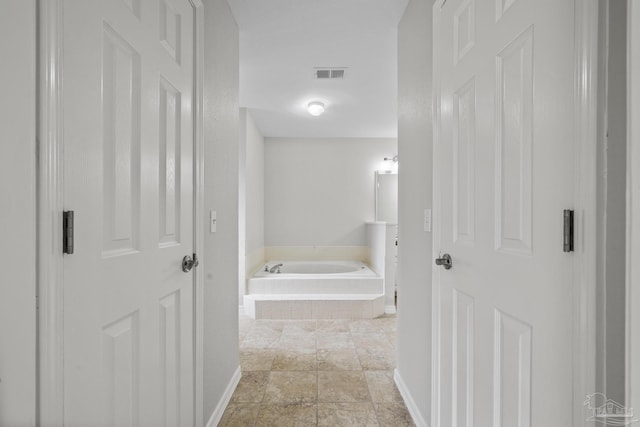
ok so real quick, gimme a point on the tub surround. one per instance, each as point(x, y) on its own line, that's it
point(345, 290)
point(313, 307)
point(380, 255)
point(257, 257)
point(332, 278)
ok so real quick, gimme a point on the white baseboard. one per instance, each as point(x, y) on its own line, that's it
point(389, 309)
point(224, 400)
point(418, 419)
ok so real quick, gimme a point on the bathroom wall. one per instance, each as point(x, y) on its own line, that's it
point(255, 192)
point(221, 260)
point(252, 164)
point(319, 193)
point(415, 258)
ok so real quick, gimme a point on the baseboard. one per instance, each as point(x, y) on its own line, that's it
point(389, 309)
point(418, 419)
point(224, 400)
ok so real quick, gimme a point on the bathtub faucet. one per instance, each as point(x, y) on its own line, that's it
point(275, 268)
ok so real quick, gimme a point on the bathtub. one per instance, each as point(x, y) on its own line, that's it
point(317, 267)
point(315, 290)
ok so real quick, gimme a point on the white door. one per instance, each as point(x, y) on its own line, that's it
point(128, 159)
point(18, 214)
point(503, 334)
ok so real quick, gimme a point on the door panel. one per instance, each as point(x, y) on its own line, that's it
point(120, 144)
point(120, 353)
point(464, 194)
point(514, 132)
point(511, 371)
point(128, 307)
point(169, 164)
point(504, 87)
point(463, 362)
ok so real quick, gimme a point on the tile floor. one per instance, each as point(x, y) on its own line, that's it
point(317, 373)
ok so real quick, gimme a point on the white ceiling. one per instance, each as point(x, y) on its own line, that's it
point(281, 41)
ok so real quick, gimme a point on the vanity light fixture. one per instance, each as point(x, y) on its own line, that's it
point(315, 108)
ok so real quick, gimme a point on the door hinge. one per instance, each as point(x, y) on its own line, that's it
point(67, 232)
point(568, 233)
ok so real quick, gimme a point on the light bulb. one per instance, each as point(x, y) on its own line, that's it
point(315, 108)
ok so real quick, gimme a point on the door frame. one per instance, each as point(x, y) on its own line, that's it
point(584, 184)
point(585, 204)
point(632, 345)
point(50, 204)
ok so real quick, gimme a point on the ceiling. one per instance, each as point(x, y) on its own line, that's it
point(282, 41)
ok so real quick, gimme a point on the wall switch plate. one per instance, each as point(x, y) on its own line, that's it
point(427, 220)
point(212, 221)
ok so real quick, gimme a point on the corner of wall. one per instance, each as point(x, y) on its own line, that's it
point(221, 260)
point(253, 255)
point(414, 244)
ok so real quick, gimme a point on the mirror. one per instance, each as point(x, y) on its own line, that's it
point(387, 196)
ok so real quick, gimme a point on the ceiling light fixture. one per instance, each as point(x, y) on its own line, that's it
point(315, 108)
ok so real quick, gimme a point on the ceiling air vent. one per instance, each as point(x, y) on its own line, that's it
point(329, 73)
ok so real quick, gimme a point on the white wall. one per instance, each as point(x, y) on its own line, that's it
point(255, 190)
point(387, 197)
point(376, 239)
point(611, 193)
point(251, 198)
point(17, 214)
point(415, 256)
point(320, 192)
point(222, 188)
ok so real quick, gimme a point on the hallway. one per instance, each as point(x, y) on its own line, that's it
point(324, 372)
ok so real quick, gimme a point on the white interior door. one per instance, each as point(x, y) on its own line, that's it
point(17, 212)
point(128, 173)
point(503, 336)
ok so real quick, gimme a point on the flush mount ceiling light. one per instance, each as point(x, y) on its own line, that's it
point(315, 108)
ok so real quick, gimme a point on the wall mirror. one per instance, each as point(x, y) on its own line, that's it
point(386, 196)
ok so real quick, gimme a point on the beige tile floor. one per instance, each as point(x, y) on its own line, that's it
point(317, 373)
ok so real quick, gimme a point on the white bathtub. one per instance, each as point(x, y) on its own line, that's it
point(318, 267)
point(315, 290)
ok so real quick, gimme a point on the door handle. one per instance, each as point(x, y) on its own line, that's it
point(188, 263)
point(445, 261)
